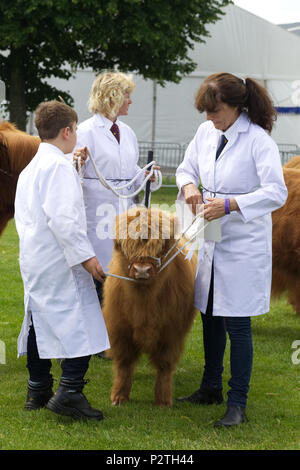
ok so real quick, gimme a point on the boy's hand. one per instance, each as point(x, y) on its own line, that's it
point(82, 152)
point(93, 267)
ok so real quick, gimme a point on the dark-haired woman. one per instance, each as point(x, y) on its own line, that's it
point(239, 167)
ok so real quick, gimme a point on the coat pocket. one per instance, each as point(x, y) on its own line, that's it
point(84, 285)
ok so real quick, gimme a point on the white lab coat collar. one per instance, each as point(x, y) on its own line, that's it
point(103, 121)
point(241, 124)
point(106, 123)
point(45, 147)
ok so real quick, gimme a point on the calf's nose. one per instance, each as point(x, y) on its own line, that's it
point(142, 271)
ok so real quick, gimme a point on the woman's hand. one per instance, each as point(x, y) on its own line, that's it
point(80, 153)
point(152, 179)
point(192, 196)
point(216, 208)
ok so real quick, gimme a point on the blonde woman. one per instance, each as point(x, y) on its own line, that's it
point(114, 147)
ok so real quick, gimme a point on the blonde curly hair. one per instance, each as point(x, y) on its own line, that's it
point(107, 93)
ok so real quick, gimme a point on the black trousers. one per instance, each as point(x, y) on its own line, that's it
point(99, 290)
point(39, 369)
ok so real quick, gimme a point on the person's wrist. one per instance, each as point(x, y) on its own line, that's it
point(186, 187)
point(227, 206)
point(233, 205)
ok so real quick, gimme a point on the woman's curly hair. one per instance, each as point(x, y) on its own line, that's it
point(108, 90)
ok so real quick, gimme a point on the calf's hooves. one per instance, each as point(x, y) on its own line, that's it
point(118, 400)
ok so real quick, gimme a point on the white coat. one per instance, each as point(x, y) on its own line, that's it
point(58, 292)
point(248, 169)
point(118, 164)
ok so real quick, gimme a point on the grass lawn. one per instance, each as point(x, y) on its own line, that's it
point(274, 399)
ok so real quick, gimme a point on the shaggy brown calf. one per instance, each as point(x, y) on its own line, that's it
point(293, 163)
point(153, 314)
point(16, 150)
point(286, 240)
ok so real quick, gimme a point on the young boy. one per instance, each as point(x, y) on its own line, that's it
point(63, 318)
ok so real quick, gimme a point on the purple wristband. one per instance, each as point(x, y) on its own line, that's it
point(227, 206)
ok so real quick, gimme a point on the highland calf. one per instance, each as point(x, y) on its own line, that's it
point(16, 150)
point(286, 239)
point(293, 163)
point(154, 313)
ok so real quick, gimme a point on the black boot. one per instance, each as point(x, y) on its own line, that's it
point(204, 396)
point(38, 394)
point(70, 401)
point(234, 415)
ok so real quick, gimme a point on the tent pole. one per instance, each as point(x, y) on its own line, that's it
point(154, 111)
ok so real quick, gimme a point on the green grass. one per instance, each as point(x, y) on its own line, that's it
point(166, 195)
point(274, 399)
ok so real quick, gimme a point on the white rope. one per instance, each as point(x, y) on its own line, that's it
point(183, 233)
point(158, 176)
point(163, 266)
point(111, 188)
point(121, 277)
point(78, 167)
point(179, 250)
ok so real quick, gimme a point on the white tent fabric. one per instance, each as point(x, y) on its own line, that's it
point(240, 43)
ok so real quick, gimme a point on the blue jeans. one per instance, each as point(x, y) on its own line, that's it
point(241, 352)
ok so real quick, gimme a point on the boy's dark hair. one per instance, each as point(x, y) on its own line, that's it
point(51, 117)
